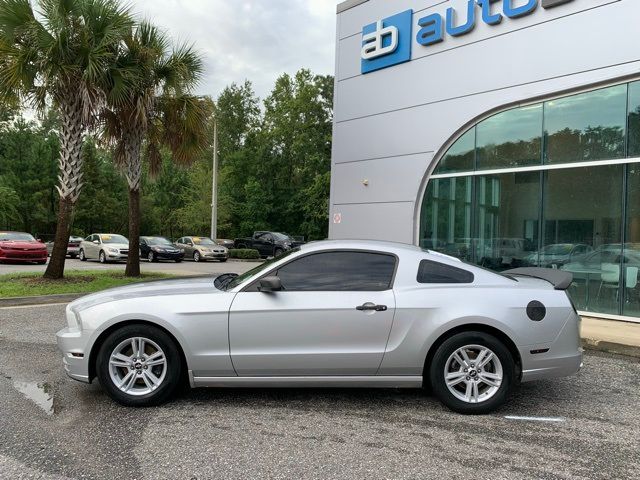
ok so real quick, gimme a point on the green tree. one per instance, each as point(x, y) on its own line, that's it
point(157, 109)
point(63, 56)
point(8, 205)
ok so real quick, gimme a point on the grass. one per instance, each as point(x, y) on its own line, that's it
point(30, 284)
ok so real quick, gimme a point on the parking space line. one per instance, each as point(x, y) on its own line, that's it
point(535, 419)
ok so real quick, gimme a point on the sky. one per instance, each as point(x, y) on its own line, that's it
point(256, 40)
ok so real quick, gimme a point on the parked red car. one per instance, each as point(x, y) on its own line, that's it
point(21, 247)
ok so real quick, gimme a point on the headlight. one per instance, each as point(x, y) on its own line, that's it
point(182, 250)
point(73, 319)
point(157, 249)
point(113, 250)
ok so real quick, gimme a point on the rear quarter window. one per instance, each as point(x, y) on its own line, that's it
point(436, 272)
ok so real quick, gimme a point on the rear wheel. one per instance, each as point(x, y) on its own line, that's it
point(196, 256)
point(82, 257)
point(139, 365)
point(472, 373)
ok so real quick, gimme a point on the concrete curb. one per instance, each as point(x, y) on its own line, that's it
point(40, 300)
point(611, 347)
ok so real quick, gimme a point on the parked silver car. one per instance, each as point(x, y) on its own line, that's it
point(332, 313)
point(200, 249)
point(106, 247)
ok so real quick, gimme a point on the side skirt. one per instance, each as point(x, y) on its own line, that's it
point(370, 381)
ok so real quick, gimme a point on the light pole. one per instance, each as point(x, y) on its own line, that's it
point(214, 184)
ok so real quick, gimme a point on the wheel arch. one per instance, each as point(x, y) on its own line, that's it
point(95, 348)
point(473, 327)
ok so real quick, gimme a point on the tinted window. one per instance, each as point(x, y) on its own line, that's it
point(339, 271)
point(435, 272)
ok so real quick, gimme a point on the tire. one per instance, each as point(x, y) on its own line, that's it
point(81, 256)
point(168, 375)
point(73, 256)
point(222, 260)
point(152, 257)
point(42, 263)
point(196, 257)
point(277, 252)
point(501, 367)
point(102, 257)
point(178, 260)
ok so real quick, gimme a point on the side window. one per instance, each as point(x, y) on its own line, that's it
point(265, 237)
point(339, 271)
point(435, 272)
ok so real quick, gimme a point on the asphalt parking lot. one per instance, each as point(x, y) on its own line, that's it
point(184, 268)
point(54, 428)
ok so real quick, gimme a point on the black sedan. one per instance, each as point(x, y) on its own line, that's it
point(159, 248)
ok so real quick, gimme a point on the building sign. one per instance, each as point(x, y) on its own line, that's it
point(388, 42)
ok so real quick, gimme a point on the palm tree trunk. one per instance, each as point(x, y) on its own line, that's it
point(70, 180)
point(133, 259)
point(134, 179)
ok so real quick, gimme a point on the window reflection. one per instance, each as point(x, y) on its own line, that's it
point(631, 296)
point(510, 139)
point(634, 119)
point(446, 217)
point(461, 156)
point(586, 127)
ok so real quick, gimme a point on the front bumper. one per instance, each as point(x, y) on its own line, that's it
point(214, 256)
point(114, 257)
point(23, 257)
point(75, 358)
point(169, 256)
point(563, 358)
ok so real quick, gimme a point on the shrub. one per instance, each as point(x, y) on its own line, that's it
point(244, 253)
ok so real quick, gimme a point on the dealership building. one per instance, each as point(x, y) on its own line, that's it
point(503, 132)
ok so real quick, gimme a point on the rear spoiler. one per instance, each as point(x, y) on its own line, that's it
point(560, 279)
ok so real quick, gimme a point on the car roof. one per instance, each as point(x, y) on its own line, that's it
point(360, 245)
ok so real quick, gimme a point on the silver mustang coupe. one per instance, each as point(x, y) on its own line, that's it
point(331, 314)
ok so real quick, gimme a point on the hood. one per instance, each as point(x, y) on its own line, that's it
point(119, 246)
point(152, 288)
point(23, 245)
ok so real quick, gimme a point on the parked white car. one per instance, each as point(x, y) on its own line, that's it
point(104, 247)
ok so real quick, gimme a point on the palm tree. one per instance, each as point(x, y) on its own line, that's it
point(63, 56)
point(157, 111)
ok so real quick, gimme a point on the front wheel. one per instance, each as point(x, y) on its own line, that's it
point(139, 366)
point(472, 373)
point(151, 257)
point(277, 252)
point(102, 257)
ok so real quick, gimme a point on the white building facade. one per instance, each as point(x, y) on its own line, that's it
point(504, 132)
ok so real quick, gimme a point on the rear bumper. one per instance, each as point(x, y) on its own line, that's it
point(75, 359)
point(563, 358)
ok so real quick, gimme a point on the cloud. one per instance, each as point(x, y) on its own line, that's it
point(256, 40)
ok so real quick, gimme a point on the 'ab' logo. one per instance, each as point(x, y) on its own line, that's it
point(387, 42)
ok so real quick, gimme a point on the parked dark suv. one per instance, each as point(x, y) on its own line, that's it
point(269, 244)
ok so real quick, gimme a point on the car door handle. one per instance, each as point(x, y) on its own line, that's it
point(371, 307)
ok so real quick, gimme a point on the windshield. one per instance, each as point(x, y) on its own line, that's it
point(158, 241)
point(557, 250)
point(233, 282)
point(203, 241)
point(113, 239)
point(15, 236)
point(281, 236)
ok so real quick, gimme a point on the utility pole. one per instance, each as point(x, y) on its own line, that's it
point(214, 186)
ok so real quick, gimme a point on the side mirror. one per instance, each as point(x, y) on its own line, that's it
point(270, 284)
point(97, 242)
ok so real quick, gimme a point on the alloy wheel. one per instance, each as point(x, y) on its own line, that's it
point(473, 373)
point(137, 366)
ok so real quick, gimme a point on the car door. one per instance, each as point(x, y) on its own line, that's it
point(92, 248)
point(189, 247)
point(264, 244)
point(144, 248)
point(333, 317)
